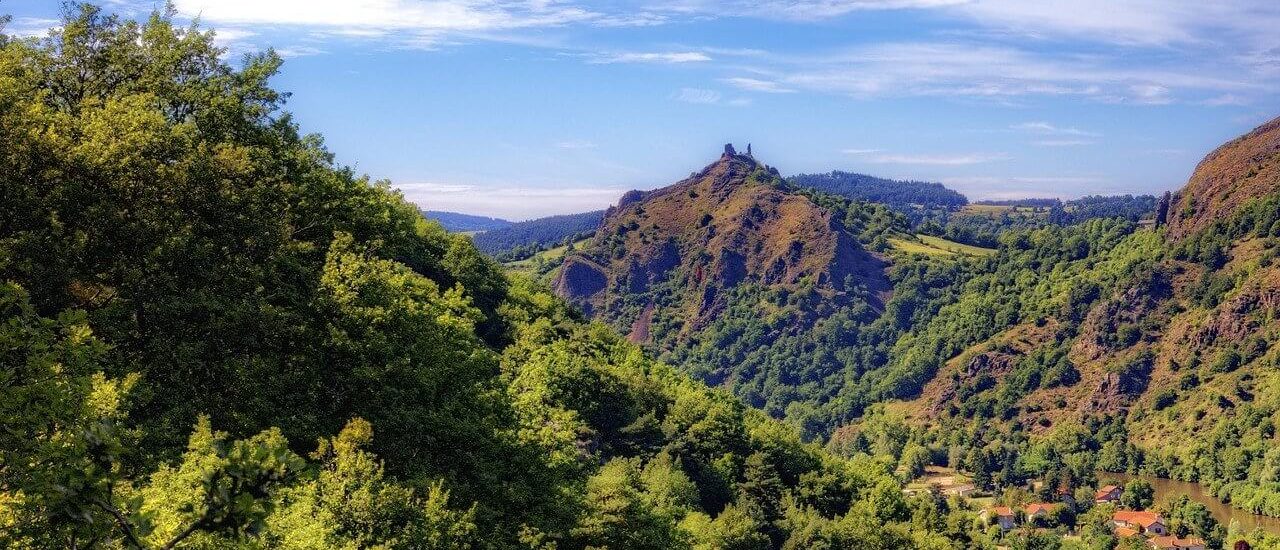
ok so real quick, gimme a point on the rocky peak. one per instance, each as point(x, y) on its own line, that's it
point(1243, 169)
point(676, 251)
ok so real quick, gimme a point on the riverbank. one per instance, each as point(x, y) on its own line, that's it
point(1224, 513)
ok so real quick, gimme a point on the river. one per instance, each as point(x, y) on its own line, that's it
point(1225, 514)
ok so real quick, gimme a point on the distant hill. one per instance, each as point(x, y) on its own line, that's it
point(458, 223)
point(873, 189)
point(1023, 203)
point(522, 239)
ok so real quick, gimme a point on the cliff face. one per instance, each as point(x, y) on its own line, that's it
point(677, 252)
point(1243, 169)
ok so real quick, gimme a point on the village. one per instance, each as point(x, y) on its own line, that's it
point(1126, 524)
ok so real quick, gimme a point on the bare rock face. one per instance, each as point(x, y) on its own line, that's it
point(580, 280)
point(981, 370)
point(1239, 171)
point(1162, 209)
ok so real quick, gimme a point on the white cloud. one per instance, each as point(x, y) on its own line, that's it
point(1151, 94)
point(1061, 142)
point(509, 202)
point(575, 144)
point(993, 73)
point(1021, 187)
point(385, 15)
point(1045, 128)
point(757, 85)
point(31, 27)
point(800, 10)
point(1226, 99)
point(650, 57)
point(289, 52)
point(697, 95)
point(872, 156)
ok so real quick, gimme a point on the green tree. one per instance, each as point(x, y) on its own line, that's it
point(1138, 495)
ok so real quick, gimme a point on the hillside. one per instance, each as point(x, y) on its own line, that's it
point(873, 189)
point(745, 281)
point(1228, 178)
point(521, 240)
point(1147, 350)
point(464, 223)
point(731, 223)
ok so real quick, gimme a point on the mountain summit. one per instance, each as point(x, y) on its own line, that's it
point(675, 255)
point(1241, 170)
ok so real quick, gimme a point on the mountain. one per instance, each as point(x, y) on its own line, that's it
point(1239, 171)
point(732, 223)
point(522, 239)
point(462, 223)
point(873, 189)
point(740, 278)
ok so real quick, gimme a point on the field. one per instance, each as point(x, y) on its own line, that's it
point(936, 246)
point(528, 266)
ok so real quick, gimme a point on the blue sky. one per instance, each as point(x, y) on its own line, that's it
point(523, 109)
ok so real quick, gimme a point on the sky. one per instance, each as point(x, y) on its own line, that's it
point(521, 109)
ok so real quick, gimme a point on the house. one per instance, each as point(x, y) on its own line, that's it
point(1175, 543)
point(1148, 522)
point(1039, 510)
point(1108, 493)
point(1000, 515)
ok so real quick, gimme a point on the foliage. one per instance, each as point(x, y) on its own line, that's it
point(457, 222)
point(523, 239)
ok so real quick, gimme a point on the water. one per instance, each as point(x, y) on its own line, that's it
point(1224, 513)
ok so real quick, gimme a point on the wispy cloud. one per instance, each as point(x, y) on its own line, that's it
point(992, 72)
point(1044, 128)
point(1152, 94)
point(1020, 187)
point(575, 144)
point(802, 10)
point(649, 57)
point(703, 96)
point(510, 202)
point(757, 85)
point(31, 27)
point(875, 157)
point(1061, 142)
point(386, 15)
point(697, 95)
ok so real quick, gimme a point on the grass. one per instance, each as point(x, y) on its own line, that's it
point(556, 254)
point(958, 248)
point(936, 246)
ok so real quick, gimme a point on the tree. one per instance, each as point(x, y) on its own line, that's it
point(1138, 495)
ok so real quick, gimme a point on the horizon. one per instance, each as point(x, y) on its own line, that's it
point(523, 110)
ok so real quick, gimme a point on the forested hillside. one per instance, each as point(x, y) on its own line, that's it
point(523, 239)
point(872, 189)
point(453, 221)
point(215, 337)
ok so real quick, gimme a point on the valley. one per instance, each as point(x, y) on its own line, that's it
point(217, 331)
